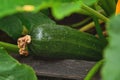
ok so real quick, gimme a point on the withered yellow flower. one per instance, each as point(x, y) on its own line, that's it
point(118, 7)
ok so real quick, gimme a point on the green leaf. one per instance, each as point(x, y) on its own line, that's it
point(12, 26)
point(10, 69)
point(88, 2)
point(32, 19)
point(62, 9)
point(8, 7)
point(109, 6)
point(111, 68)
point(46, 12)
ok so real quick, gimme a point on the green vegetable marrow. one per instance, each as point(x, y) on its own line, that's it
point(56, 41)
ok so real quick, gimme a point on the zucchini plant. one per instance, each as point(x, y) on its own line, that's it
point(44, 37)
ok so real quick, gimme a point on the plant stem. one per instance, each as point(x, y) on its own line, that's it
point(98, 28)
point(108, 6)
point(10, 47)
point(89, 26)
point(81, 22)
point(93, 71)
point(94, 13)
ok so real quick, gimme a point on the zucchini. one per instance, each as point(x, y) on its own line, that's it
point(61, 42)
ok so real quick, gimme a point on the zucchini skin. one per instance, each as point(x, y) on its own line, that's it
point(63, 42)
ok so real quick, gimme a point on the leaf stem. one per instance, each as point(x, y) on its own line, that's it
point(93, 71)
point(94, 13)
point(81, 22)
point(10, 47)
point(98, 28)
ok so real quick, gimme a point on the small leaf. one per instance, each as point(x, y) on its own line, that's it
point(32, 19)
point(111, 68)
point(12, 26)
point(10, 69)
point(65, 9)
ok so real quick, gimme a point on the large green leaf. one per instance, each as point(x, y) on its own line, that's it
point(8, 7)
point(32, 19)
point(60, 8)
point(12, 26)
point(111, 68)
point(10, 69)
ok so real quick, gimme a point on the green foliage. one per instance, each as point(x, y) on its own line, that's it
point(12, 26)
point(15, 15)
point(88, 2)
point(111, 68)
point(108, 6)
point(65, 9)
point(8, 7)
point(10, 69)
point(31, 19)
point(60, 8)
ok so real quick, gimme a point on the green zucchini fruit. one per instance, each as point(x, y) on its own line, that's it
point(57, 41)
